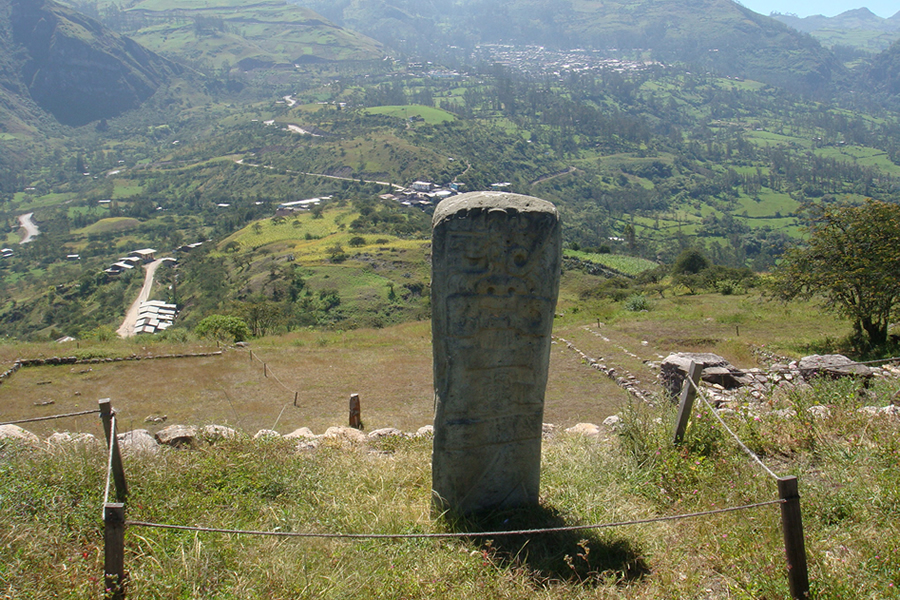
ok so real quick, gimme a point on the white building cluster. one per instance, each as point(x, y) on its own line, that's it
point(154, 316)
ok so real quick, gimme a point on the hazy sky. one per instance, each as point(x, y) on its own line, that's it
point(829, 8)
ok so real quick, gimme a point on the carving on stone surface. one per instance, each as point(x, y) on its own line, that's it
point(496, 260)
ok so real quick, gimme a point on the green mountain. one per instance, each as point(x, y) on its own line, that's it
point(883, 74)
point(718, 35)
point(859, 28)
point(73, 67)
point(858, 18)
point(228, 33)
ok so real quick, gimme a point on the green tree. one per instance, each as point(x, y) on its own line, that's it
point(262, 316)
point(690, 261)
point(851, 259)
point(223, 327)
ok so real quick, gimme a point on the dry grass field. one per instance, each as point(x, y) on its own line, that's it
point(389, 368)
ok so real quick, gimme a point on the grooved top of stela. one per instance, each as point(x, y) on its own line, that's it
point(491, 201)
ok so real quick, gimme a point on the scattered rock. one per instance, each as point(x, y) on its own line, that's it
point(138, 441)
point(784, 413)
point(14, 432)
point(156, 419)
point(819, 411)
point(425, 431)
point(385, 432)
point(548, 429)
point(266, 434)
point(890, 409)
point(345, 434)
point(177, 435)
point(834, 366)
point(307, 445)
point(716, 370)
point(214, 433)
point(585, 429)
point(304, 433)
point(613, 422)
point(64, 437)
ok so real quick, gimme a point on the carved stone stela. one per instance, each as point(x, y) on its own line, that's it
point(495, 280)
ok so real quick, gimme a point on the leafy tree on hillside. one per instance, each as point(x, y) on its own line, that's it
point(851, 258)
point(223, 327)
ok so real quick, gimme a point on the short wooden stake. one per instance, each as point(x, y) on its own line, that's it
point(688, 393)
point(265, 370)
point(355, 412)
point(112, 440)
point(251, 355)
point(737, 330)
point(114, 551)
point(794, 545)
point(296, 394)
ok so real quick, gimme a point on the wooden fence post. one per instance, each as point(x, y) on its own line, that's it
point(114, 551)
point(265, 370)
point(296, 394)
point(688, 393)
point(794, 545)
point(355, 412)
point(112, 441)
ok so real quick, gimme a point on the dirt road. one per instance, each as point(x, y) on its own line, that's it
point(31, 230)
point(126, 330)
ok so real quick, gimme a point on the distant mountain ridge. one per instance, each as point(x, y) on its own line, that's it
point(857, 18)
point(72, 66)
point(714, 34)
point(859, 29)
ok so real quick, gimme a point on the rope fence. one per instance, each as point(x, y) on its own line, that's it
point(270, 374)
point(115, 523)
point(51, 417)
point(443, 535)
point(718, 417)
point(788, 488)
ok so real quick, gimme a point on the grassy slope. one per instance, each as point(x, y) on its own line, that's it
point(846, 465)
point(364, 278)
point(271, 32)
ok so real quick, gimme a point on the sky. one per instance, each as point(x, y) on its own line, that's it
point(829, 8)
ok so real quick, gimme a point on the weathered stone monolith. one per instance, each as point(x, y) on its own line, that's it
point(495, 279)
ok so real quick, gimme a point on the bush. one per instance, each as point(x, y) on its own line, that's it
point(637, 303)
point(223, 327)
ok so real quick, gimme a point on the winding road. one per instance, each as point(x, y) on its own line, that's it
point(31, 230)
point(126, 330)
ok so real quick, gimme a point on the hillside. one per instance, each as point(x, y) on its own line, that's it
point(883, 74)
point(839, 438)
point(73, 67)
point(244, 35)
point(710, 34)
point(859, 29)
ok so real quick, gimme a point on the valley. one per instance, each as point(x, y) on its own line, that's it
point(280, 164)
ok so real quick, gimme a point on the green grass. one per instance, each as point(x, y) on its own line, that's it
point(846, 464)
point(769, 204)
point(869, 157)
point(629, 265)
point(271, 32)
point(850, 490)
point(431, 115)
point(111, 224)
